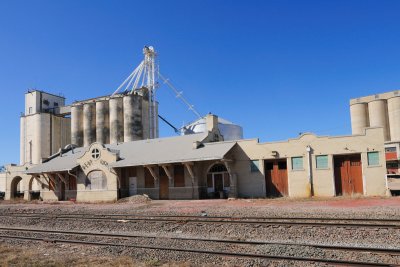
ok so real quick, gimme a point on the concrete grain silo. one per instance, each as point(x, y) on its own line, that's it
point(116, 120)
point(102, 122)
point(89, 123)
point(77, 124)
point(359, 117)
point(133, 128)
point(377, 112)
point(394, 117)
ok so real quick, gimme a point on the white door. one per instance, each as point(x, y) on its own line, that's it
point(132, 186)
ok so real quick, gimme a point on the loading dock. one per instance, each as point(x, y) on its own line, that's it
point(276, 178)
point(348, 174)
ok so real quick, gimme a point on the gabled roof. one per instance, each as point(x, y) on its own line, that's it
point(146, 152)
point(64, 162)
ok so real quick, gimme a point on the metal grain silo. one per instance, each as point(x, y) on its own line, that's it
point(377, 111)
point(394, 118)
point(116, 120)
point(229, 130)
point(359, 117)
point(77, 125)
point(102, 122)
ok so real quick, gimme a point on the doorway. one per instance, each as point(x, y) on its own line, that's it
point(276, 178)
point(348, 175)
point(164, 184)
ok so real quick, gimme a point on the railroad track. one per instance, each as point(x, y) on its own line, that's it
point(119, 237)
point(335, 222)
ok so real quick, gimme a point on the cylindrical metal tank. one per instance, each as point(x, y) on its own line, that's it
point(89, 124)
point(377, 111)
point(227, 129)
point(102, 122)
point(359, 118)
point(116, 120)
point(394, 118)
point(132, 118)
point(77, 125)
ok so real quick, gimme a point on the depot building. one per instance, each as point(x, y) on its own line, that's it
point(103, 149)
point(201, 166)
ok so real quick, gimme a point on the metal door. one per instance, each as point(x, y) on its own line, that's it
point(132, 186)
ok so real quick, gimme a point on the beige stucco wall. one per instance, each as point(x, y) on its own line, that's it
point(89, 164)
point(3, 178)
point(27, 183)
point(47, 134)
point(298, 180)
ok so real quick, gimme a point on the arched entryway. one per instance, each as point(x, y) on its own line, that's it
point(34, 189)
point(17, 188)
point(218, 181)
point(96, 180)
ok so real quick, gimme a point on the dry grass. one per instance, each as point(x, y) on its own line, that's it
point(11, 256)
point(15, 257)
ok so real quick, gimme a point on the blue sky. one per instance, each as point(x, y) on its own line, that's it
point(277, 68)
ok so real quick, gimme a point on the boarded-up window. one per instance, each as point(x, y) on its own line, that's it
point(254, 166)
point(96, 180)
point(373, 158)
point(148, 179)
point(321, 161)
point(297, 163)
point(209, 181)
point(227, 180)
point(179, 176)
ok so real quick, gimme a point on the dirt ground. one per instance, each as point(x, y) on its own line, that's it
point(21, 254)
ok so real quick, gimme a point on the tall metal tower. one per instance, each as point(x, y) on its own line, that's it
point(144, 76)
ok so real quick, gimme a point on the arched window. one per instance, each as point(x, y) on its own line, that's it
point(218, 179)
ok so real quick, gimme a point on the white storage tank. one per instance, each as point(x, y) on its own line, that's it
point(229, 130)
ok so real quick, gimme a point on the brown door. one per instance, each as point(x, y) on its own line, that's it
point(164, 185)
point(218, 183)
point(348, 175)
point(62, 191)
point(276, 180)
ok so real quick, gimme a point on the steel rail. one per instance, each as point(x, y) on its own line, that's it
point(114, 235)
point(220, 217)
point(201, 219)
point(220, 253)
